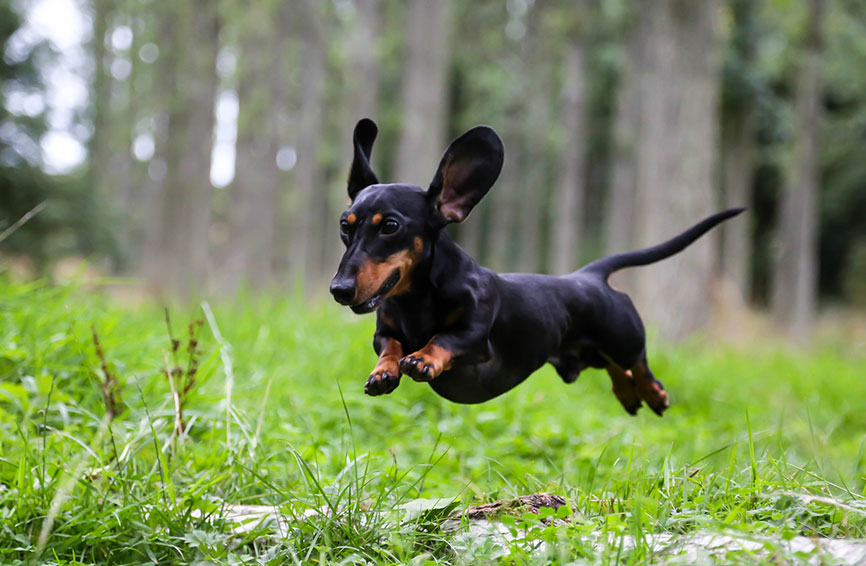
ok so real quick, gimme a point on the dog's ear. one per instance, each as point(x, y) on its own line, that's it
point(468, 169)
point(361, 175)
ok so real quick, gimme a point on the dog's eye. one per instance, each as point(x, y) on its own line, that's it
point(344, 227)
point(390, 226)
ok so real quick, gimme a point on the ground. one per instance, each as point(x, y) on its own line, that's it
point(760, 440)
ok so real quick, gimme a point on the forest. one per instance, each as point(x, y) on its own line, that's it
point(216, 138)
point(178, 387)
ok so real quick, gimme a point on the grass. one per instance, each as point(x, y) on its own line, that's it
point(761, 441)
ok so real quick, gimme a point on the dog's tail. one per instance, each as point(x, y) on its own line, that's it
point(607, 265)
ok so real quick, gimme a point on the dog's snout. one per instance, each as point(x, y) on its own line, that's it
point(343, 291)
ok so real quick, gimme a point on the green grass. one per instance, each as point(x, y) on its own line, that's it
point(761, 441)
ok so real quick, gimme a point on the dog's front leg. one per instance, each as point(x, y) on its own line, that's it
point(386, 375)
point(443, 351)
point(464, 340)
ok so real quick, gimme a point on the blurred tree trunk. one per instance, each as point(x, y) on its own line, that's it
point(191, 35)
point(100, 146)
point(110, 160)
point(738, 150)
point(568, 197)
point(139, 110)
point(676, 159)
point(535, 167)
point(424, 91)
point(310, 194)
point(794, 296)
point(626, 135)
point(361, 78)
point(505, 204)
point(261, 93)
point(166, 118)
point(532, 183)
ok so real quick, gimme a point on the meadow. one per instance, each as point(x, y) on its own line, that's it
point(105, 460)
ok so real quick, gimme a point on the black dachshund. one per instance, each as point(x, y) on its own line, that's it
point(471, 333)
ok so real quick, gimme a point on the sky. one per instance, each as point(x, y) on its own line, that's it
point(66, 25)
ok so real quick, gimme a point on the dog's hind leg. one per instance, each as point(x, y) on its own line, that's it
point(650, 389)
point(625, 388)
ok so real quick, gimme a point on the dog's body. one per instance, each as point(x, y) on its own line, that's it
point(471, 333)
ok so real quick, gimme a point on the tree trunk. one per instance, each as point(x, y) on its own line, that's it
point(309, 202)
point(110, 161)
point(424, 91)
point(568, 197)
point(100, 146)
point(738, 149)
point(626, 135)
point(362, 75)
point(166, 119)
point(794, 299)
point(139, 106)
point(185, 211)
point(739, 117)
point(504, 202)
point(360, 95)
point(531, 191)
point(676, 159)
point(260, 91)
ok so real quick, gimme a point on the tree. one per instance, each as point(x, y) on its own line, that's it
point(261, 86)
point(794, 297)
point(65, 216)
point(568, 197)
point(188, 87)
point(309, 200)
point(424, 90)
point(620, 217)
point(360, 79)
point(676, 158)
point(739, 108)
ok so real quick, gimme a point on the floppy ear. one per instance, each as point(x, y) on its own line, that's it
point(468, 169)
point(361, 175)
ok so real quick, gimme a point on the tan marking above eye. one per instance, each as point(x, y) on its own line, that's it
point(351, 219)
point(419, 244)
point(376, 219)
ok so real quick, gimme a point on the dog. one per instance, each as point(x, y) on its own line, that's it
point(473, 334)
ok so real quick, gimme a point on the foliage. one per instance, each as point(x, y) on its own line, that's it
point(505, 69)
point(73, 222)
point(774, 28)
point(760, 441)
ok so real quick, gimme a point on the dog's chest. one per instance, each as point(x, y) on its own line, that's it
point(418, 321)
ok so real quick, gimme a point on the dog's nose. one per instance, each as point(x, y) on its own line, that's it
point(343, 291)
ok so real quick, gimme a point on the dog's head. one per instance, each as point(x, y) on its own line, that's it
point(388, 228)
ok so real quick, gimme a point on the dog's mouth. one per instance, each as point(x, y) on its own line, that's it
point(373, 302)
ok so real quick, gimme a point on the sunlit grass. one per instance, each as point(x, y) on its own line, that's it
point(759, 440)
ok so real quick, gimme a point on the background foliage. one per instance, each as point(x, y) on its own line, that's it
point(179, 191)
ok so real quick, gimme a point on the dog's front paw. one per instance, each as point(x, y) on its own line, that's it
point(418, 368)
point(382, 381)
point(427, 363)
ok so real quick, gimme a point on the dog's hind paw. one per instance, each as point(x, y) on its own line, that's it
point(650, 389)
